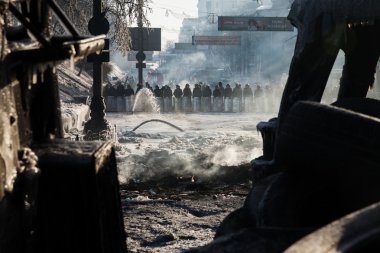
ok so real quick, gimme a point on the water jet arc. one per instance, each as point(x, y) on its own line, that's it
point(158, 120)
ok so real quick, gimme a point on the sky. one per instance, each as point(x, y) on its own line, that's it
point(168, 15)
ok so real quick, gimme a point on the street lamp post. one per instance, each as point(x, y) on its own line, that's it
point(98, 25)
point(140, 55)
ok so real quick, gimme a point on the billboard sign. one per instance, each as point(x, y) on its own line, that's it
point(216, 40)
point(275, 24)
point(185, 46)
point(151, 39)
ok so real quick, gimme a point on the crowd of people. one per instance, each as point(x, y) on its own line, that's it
point(201, 98)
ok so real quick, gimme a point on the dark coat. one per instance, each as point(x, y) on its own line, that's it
point(187, 92)
point(107, 90)
point(206, 91)
point(258, 92)
point(237, 92)
point(217, 92)
point(129, 91)
point(228, 92)
point(167, 92)
point(221, 88)
point(157, 92)
point(178, 92)
point(120, 90)
point(197, 92)
point(247, 92)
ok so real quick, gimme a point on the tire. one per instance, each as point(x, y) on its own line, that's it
point(254, 198)
point(234, 222)
point(366, 106)
point(246, 216)
point(337, 147)
point(299, 200)
point(318, 137)
point(355, 233)
point(252, 240)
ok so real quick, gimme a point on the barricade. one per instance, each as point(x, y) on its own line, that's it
point(259, 104)
point(206, 104)
point(111, 105)
point(196, 104)
point(160, 103)
point(167, 105)
point(186, 104)
point(120, 104)
point(177, 104)
point(91, 172)
point(227, 105)
point(248, 104)
point(217, 105)
point(129, 102)
point(236, 105)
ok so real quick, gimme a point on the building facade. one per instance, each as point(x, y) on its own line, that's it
point(260, 56)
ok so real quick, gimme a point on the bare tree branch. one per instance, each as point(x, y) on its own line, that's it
point(120, 13)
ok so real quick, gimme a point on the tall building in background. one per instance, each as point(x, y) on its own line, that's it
point(208, 12)
point(261, 56)
point(225, 7)
point(189, 28)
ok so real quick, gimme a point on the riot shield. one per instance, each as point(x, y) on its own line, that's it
point(167, 105)
point(186, 104)
point(177, 104)
point(228, 105)
point(196, 104)
point(206, 104)
point(120, 104)
point(111, 104)
point(236, 105)
point(217, 105)
point(129, 102)
point(248, 104)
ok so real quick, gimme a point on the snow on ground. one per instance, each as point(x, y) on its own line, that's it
point(209, 141)
point(182, 208)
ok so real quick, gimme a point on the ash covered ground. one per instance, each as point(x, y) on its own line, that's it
point(178, 186)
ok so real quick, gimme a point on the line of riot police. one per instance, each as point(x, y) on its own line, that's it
point(201, 98)
point(119, 98)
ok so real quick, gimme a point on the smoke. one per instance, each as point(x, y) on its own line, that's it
point(198, 58)
point(263, 58)
point(202, 157)
point(181, 68)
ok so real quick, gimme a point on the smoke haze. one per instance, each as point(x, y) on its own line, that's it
point(210, 143)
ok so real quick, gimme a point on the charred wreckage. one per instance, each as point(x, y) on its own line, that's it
point(317, 183)
point(55, 195)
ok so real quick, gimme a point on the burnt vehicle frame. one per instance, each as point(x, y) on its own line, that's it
point(55, 195)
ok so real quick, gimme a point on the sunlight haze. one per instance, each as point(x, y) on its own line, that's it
point(168, 15)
